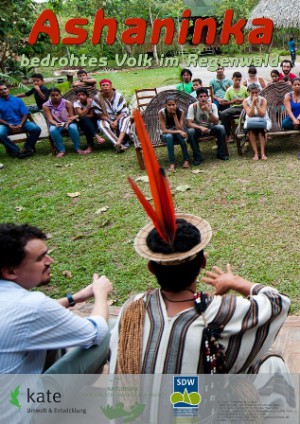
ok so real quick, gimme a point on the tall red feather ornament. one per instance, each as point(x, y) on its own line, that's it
point(163, 213)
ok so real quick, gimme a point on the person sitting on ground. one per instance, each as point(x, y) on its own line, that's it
point(60, 116)
point(171, 119)
point(253, 78)
point(202, 120)
point(113, 115)
point(234, 97)
point(220, 84)
point(292, 106)
point(84, 108)
point(13, 118)
point(39, 91)
point(84, 80)
point(186, 84)
point(274, 76)
point(32, 323)
point(256, 106)
point(286, 66)
point(177, 330)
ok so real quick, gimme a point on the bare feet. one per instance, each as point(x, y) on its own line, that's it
point(172, 167)
point(264, 157)
point(60, 155)
point(255, 157)
point(99, 139)
point(88, 150)
point(82, 152)
point(186, 164)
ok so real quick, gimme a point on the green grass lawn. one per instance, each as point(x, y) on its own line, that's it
point(253, 208)
point(125, 81)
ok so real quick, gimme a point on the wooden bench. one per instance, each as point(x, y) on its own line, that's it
point(150, 116)
point(274, 93)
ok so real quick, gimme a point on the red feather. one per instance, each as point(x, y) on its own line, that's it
point(159, 186)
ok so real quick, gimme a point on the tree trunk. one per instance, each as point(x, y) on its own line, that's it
point(155, 55)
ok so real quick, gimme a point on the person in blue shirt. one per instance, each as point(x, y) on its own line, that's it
point(292, 49)
point(14, 117)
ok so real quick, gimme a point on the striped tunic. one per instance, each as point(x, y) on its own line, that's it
point(173, 345)
point(114, 107)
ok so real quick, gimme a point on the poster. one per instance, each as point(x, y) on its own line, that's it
point(73, 36)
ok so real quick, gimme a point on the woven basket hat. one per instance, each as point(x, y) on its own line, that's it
point(175, 258)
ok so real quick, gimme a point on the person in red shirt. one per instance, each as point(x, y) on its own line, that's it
point(286, 66)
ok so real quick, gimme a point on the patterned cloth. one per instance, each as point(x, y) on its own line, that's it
point(60, 112)
point(111, 109)
point(173, 345)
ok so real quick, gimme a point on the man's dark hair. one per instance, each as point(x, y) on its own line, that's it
point(201, 90)
point(39, 76)
point(175, 278)
point(188, 71)
point(81, 90)
point(236, 75)
point(13, 239)
point(286, 61)
point(81, 72)
point(3, 83)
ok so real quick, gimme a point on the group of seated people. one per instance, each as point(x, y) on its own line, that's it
point(230, 98)
point(106, 112)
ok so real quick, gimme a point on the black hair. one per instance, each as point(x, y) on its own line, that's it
point(81, 90)
point(252, 70)
point(274, 71)
point(188, 71)
point(81, 72)
point(3, 83)
point(170, 98)
point(286, 61)
point(186, 237)
point(237, 74)
point(13, 239)
point(54, 90)
point(200, 91)
point(175, 278)
point(197, 80)
point(39, 76)
point(295, 79)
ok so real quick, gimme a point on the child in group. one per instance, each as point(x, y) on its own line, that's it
point(83, 107)
point(186, 84)
point(39, 91)
point(275, 76)
point(84, 81)
point(197, 83)
point(171, 119)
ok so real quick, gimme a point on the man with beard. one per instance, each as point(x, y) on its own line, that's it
point(31, 323)
point(286, 66)
point(203, 120)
